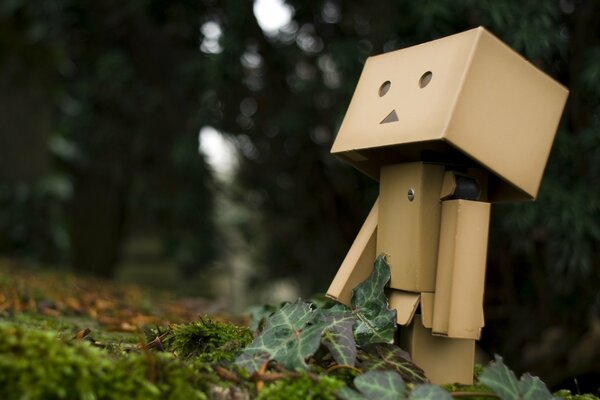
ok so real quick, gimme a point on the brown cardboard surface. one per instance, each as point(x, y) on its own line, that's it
point(408, 231)
point(358, 264)
point(405, 304)
point(427, 301)
point(448, 185)
point(422, 113)
point(485, 104)
point(506, 114)
point(444, 360)
point(458, 304)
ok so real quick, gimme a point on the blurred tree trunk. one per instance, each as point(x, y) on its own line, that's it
point(26, 115)
point(585, 27)
point(98, 213)
point(140, 172)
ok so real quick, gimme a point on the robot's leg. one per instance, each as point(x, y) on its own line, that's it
point(444, 360)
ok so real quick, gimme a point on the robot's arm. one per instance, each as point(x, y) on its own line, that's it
point(358, 264)
point(458, 302)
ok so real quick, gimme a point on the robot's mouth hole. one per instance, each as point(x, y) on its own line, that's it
point(392, 117)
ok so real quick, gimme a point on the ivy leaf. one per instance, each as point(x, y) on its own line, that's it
point(252, 362)
point(532, 388)
point(337, 334)
point(259, 314)
point(346, 393)
point(504, 383)
point(383, 385)
point(382, 356)
point(380, 385)
point(287, 338)
point(429, 392)
point(375, 322)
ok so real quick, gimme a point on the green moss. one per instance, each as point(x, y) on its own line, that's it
point(567, 395)
point(42, 322)
point(302, 388)
point(36, 365)
point(475, 388)
point(345, 375)
point(67, 326)
point(477, 370)
point(208, 340)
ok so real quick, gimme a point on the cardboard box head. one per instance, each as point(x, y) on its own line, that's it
point(466, 99)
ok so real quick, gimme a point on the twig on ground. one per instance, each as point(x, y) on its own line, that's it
point(226, 374)
point(156, 343)
point(81, 334)
point(260, 384)
point(274, 376)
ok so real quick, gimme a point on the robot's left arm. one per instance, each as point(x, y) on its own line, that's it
point(460, 277)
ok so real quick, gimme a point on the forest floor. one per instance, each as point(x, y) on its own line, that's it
point(68, 337)
point(117, 321)
point(62, 301)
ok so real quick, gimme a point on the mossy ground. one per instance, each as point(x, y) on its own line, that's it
point(63, 337)
point(35, 364)
point(302, 387)
point(208, 340)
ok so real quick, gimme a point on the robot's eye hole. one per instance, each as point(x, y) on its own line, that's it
point(425, 79)
point(383, 89)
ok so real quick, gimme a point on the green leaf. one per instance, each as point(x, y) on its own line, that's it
point(337, 334)
point(532, 388)
point(504, 383)
point(259, 314)
point(501, 380)
point(375, 322)
point(380, 385)
point(294, 332)
point(383, 356)
point(346, 393)
point(429, 392)
point(286, 338)
point(252, 361)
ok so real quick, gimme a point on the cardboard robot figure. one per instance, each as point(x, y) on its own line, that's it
point(447, 128)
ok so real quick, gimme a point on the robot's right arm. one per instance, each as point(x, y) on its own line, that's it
point(358, 264)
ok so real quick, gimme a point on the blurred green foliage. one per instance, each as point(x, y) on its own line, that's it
point(35, 365)
point(122, 84)
point(302, 387)
point(32, 220)
point(120, 90)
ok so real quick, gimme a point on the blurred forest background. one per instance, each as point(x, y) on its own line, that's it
point(102, 172)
